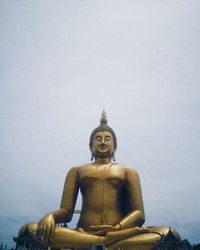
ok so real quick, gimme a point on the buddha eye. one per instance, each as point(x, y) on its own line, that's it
point(107, 138)
point(98, 138)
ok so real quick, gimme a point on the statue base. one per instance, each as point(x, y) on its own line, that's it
point(163, 244)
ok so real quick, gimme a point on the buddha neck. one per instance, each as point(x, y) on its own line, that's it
point(102, 160)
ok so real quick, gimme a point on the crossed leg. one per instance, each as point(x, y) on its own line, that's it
point(64, 237)
point(126, 239)
point(145, 241)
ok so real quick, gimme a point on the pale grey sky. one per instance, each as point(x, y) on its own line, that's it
point(62, 62)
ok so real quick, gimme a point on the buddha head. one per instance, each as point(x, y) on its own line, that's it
point(103, 141)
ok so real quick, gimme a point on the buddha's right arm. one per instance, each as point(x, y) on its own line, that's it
point(60, 215)
point(69, 196)
point(46, 226)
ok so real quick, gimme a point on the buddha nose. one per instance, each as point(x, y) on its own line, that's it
point(103, 141)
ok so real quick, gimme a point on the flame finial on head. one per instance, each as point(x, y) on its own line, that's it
point(103, 120)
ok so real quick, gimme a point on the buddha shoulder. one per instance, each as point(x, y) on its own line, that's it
point(92, 169)
point(126, 169)
point(78, 168)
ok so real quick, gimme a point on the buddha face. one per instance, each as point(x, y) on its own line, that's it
point(103, 145)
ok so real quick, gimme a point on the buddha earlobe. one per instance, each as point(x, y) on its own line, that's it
point(113, 155)
point(92, 156)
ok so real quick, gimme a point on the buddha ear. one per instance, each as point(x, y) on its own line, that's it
point(92, 153)
point(92, 156)
point(113, 154)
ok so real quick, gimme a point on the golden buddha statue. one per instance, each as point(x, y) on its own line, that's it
point(112, 207)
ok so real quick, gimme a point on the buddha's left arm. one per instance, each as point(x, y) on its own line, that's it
point(136, 215)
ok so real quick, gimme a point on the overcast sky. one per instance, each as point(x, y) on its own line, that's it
point(61, 63)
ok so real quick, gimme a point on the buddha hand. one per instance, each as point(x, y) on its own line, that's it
point(46, 229)
point(103, 229)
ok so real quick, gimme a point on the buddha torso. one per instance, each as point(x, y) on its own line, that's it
point(103, 191)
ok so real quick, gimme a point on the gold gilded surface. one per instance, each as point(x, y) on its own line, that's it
point(112, 207)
